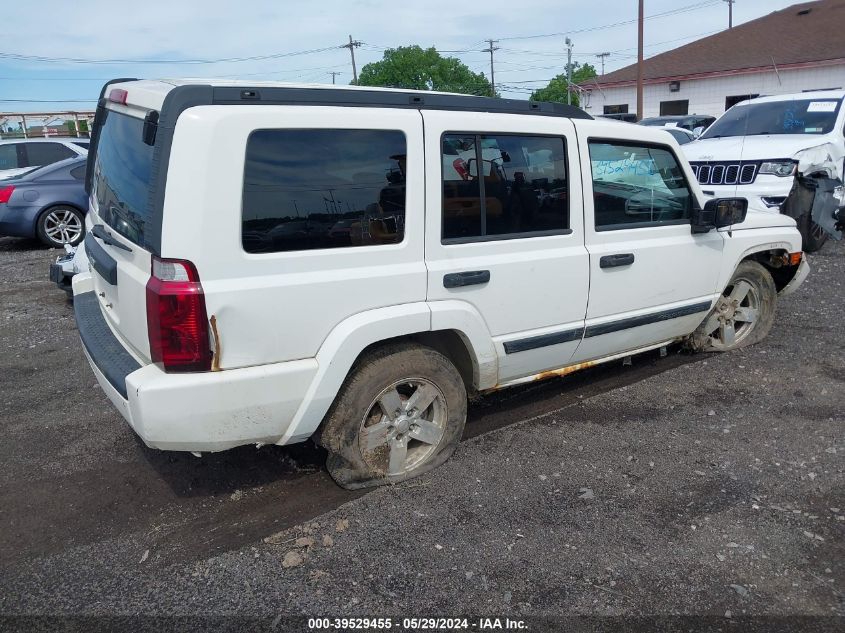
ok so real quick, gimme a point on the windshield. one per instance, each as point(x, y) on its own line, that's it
point(122, 175)
point(796, 116)
point(657, 121)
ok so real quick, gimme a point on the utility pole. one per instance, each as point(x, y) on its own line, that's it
point(730, 13)
point(334, 73)
point(568, 71)
point(492, 76)
point(640, 62)
point(602, 56)
point(353, 44)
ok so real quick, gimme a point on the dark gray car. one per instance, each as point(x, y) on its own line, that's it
point(48, 203)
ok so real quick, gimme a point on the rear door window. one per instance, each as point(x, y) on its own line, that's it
point(315, 189)
point(519, 191)
point(47, 153)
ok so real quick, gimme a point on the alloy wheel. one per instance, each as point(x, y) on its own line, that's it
point(734, 316)
point(63, 226)
point(403, 426)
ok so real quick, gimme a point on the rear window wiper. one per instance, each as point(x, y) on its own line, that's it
point(99, 231)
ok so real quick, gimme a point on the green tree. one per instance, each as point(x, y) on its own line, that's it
point(556, 90)
point(417, 69)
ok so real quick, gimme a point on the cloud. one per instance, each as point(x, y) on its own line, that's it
point(215, 29)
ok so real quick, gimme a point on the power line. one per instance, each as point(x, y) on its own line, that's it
point(48, 101)
point(79, 60)
point(261, 74)
point(691, 7)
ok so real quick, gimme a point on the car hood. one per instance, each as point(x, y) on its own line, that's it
point(750, 147)
point(755, 219)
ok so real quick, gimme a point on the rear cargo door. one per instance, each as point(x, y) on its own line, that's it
point(121, 225)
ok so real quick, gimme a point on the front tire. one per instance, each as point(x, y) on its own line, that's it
point(400, 413)
point(61, 225)
point(812, 234)
point(743, 315)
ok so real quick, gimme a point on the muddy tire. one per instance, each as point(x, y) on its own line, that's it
point(743, 315)
point(812, 235)
point(400, 413)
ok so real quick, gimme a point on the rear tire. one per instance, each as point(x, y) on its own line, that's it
point(61, 225)
point(812, 234)
point(743, 315)
point(400, 413)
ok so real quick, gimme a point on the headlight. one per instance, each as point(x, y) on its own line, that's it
point(778, 168)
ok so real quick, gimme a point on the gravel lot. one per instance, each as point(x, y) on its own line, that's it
point(707, 485)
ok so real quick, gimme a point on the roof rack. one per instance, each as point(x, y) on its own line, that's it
point(188, 95)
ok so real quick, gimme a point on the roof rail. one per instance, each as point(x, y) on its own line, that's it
point(188, 95)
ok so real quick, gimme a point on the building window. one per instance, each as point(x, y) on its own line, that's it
point(668, 108)
point(520, 188)
point(309, 189)
point(732, 101)
point(616, 109)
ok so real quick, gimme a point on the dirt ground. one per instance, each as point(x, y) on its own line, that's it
point(681, 490)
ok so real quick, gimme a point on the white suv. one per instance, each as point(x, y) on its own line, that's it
point(785, 153)
point(273, 263)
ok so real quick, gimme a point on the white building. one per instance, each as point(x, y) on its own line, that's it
point(797, 49)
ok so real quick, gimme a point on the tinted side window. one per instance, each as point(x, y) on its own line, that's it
point(521, 190)
point(307, 189)
point(636, 185)
point(47, 153)
point(9, 156)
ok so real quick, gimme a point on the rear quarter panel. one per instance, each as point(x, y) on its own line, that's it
point(275, 307)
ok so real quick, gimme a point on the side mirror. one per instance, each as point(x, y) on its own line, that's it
point(696, 132)
point(472, 165)
point(719, 212)
point(729, 210)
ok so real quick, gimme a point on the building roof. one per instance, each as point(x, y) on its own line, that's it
point(806, 34)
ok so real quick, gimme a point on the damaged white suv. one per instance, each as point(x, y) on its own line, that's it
point(785, 153)
point(272, 263)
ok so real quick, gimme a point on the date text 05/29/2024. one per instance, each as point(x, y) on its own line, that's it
point(415, 624)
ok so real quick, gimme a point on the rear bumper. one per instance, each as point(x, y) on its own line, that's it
point(62, 272)
point(208, 411)
point(16, 222)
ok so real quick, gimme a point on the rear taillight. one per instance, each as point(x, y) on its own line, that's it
point(6, 193)
point(176, 318)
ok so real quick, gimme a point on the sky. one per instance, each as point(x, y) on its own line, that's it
point(59, 56)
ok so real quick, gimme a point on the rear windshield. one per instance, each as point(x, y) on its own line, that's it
point(796, 116)
point(122, 175)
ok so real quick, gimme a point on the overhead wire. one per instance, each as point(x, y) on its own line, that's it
point(517, 66)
